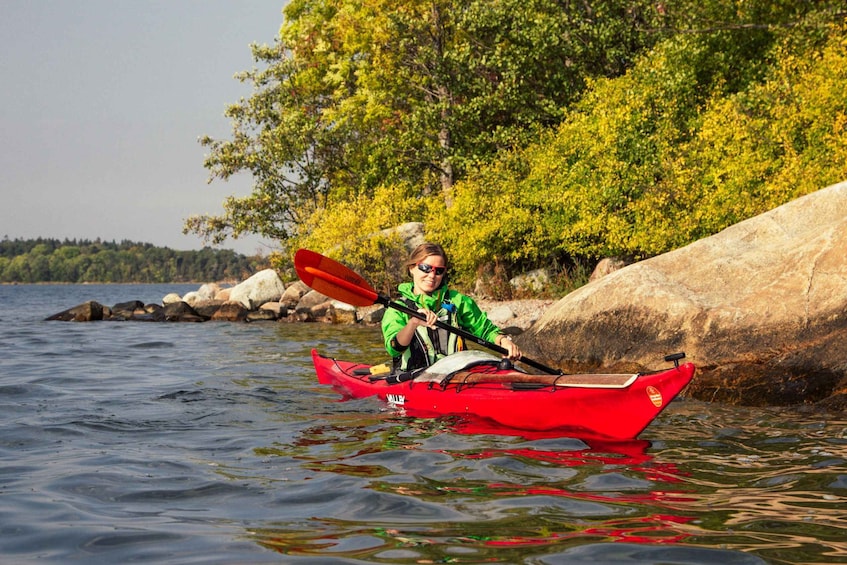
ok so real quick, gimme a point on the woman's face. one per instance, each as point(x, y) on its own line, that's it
point(427, 283)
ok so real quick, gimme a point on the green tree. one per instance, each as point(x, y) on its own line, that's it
point(17, 270)
point(683, 145)
point(356, 95)
point(44, 260)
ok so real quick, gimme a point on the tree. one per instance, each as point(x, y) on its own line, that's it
point(48, 260)
point(359, 94)
point(706, 130)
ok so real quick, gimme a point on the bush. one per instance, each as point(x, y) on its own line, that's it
point(703, 132)
point(357, 232)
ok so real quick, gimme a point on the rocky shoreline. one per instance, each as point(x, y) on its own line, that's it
point(264, 297)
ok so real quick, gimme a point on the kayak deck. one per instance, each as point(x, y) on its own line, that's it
point(554, 381)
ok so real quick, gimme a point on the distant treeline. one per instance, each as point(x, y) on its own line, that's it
point(76, 261)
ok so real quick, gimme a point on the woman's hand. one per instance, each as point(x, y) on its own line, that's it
point(405, 335)
point(512, 350)
point(431, 318)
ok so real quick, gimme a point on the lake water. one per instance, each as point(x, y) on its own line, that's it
point(213, 443)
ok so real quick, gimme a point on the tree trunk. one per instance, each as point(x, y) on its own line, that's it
point(445, 100)
point(446, 165)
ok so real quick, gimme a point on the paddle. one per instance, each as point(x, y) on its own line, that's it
point(331, 278)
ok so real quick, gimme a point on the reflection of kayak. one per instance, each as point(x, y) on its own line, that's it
point(616, 406)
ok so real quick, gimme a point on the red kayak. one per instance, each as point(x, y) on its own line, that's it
point(616, 406)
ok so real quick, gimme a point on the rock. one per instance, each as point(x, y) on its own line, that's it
point(293, 294)
point(207, 308)
point(501, 315)
point(261, 315)
point(208, 291)
point(85, 312)
point(171, 298)
point(191, 298)
point(533, 281)
point(313, 306)
point(231, 311)
point(605, 267)
point(525, 312)
point(278, 310)
point(151, 313)
point(264, 286)
point(410, 233)
point(223, 294)
point(126, 310)
point(760, 308)
point(181, 312)
point(341, 313)
point(372, 315)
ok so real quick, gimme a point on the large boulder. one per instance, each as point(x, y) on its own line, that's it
point(264, 286)
point(760, 308)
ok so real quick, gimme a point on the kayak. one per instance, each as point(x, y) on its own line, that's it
point(476, 384)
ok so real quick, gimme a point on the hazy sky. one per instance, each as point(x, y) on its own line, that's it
point(101, 106)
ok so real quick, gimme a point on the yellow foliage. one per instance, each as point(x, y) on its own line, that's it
point(777, 141)
point(645, 163)
point(357, 231)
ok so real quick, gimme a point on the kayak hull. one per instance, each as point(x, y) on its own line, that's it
point(589, 410)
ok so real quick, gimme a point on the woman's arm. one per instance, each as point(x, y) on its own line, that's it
point(398, 329)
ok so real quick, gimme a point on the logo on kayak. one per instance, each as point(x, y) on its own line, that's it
point(395, 399)
point(655, 396)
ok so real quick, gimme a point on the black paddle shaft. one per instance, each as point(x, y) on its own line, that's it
point(385, 301)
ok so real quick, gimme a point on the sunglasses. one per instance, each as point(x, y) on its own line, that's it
point(424, 268)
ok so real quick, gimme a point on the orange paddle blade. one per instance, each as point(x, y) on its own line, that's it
point(331, 278)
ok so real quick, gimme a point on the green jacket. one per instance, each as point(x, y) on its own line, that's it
point(457, 309)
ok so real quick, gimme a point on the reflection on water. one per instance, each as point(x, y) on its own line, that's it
point(427, 493)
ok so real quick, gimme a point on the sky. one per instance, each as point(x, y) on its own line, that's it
point(102, 103)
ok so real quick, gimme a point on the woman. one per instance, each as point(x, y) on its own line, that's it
point(414, 343)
